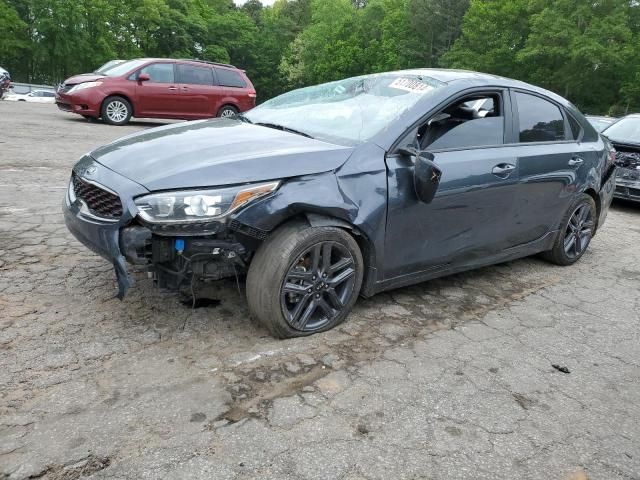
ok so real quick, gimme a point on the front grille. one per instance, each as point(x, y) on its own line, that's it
point(63, 88)
point(236, 226)
point(100, 202)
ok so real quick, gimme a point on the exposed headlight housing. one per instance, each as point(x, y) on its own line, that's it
point(82, 86)
point(199, 205)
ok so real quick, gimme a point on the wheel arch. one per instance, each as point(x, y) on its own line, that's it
point(366, 245)
point(122, 95)
point(227, 104)
point(596, 198)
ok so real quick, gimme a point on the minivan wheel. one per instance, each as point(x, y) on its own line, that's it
point(304, 280)
point(227, 111)
point(576, 230)
point(116, 111)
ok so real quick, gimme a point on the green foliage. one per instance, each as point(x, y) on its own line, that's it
point(585, 50)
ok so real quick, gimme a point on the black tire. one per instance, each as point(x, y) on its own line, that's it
point(116, 111)
point(575, 233)
point(227, 111)
point(289, 252)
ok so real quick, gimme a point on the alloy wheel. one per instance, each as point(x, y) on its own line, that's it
point(227, 113)
point(579, 231)
point(318, 286)
point(117, 111)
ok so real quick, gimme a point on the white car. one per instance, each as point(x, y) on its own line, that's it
point(36, 96)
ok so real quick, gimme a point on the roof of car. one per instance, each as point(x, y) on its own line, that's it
point(450, 76)
point(217, 64)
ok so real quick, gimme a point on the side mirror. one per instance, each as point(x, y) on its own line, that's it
point(144, 77)
point(426, 174)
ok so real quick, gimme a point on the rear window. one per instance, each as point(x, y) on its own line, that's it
point(576, 129)
point(540, 120)
point(230, 78)
point(195, 75)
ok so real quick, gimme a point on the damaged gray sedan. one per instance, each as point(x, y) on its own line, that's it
point(625, 136)
point(348, 188)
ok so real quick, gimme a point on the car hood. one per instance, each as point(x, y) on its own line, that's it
point(83, 77)
point(216, 152)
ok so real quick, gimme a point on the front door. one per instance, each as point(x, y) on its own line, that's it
point(158, 96)
point(472, 215)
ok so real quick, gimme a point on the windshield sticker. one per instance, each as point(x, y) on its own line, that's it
point(410, 85)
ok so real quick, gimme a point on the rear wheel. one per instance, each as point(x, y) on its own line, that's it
point(304, 280)
point(576, 230)
point(227, 111)
point(116, 111)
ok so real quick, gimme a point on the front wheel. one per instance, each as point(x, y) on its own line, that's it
point(116, 111)
point(304, 280)
point(576, 230)
point(227, 111)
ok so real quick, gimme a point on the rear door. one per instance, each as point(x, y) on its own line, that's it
point(158, 96)
point(199, 97)
point(235, 88)
point(552, 163)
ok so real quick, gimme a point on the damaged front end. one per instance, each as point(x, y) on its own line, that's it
point(178, 261)
point(628, 172)
point(178, 236)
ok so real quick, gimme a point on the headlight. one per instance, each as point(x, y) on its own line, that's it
point(198, 205)
point(82, 86)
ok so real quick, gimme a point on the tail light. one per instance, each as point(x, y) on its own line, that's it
point(252, 95)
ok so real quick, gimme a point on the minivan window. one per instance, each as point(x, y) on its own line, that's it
point(229, 78)
point(123, 68)
point(159, 72)
point(195, 75)
point(540, 120)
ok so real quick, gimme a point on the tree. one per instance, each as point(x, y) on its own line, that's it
point(14, 39)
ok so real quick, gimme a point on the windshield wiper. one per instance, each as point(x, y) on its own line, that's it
point(284, 129)
point(242, 118)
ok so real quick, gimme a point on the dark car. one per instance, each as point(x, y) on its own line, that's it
point(599, 122)
point(625, 136)
point(158, 88)
point(351, 187)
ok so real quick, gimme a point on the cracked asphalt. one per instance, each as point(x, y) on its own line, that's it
point(444, 380)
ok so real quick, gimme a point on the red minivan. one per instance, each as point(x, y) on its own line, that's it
point(158, 88)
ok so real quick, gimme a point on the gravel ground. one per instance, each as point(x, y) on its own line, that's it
point(448, 379)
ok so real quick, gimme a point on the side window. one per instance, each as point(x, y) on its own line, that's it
point(470, 122)
point(576, 129)
point(195, 75)
point(230, 78)
point(540, 120)
point(159, 72)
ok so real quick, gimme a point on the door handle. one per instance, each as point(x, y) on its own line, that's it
point(503, 169)
point(173, 88)
point(575, 161)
